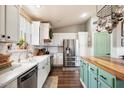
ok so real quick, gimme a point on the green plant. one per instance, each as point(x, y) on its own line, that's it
point(21, 42)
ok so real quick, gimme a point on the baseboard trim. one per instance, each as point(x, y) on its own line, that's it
point(83, 84)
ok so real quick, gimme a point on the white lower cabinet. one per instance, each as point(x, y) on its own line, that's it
point(41, 76)
point(58, 59)
point(13, 84)
point(43, 71)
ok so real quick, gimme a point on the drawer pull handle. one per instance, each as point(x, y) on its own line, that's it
point(103, 77)
point(8, 37)
point(92, 69)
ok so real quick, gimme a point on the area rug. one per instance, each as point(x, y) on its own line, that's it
point(51, 82)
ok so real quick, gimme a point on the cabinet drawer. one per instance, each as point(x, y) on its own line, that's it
point(106, 77)
point(101, 84)
point(93, 68)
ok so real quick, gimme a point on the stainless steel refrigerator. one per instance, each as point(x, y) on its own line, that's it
point(70, 52)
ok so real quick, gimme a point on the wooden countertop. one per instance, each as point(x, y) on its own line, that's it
point(112, 65)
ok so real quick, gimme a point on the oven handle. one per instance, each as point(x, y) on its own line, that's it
point(28, 74)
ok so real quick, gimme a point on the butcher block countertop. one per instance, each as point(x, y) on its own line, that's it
point(114, 66)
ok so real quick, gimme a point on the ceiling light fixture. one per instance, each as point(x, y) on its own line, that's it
point(38, 6)
point(83, 15)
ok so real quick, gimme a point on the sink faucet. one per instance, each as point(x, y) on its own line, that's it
point(28, 54)
point(19, 59)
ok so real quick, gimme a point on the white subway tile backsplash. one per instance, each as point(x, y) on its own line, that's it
point(14, 55)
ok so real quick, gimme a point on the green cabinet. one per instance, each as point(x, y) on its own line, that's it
point(81, 71)
point(102, 84)
point(84, 72)
point(95, 77)
point(106, 77)
point(92, 80)
point(101, 44)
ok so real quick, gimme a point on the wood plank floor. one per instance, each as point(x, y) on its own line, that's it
point(66, 78)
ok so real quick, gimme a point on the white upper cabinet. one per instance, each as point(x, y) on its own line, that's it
point(9, 23)
point(46, 28)
point(41, 34)
point(35, 29)
point(12, 23)
point(2, 22)
point(44, 33)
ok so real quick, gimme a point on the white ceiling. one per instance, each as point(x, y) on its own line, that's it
point(61, 15)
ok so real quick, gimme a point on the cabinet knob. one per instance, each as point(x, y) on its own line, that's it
point(8, 37)
point(3, 36)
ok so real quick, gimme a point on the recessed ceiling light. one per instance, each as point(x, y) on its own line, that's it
point(83, 15)
point(38, 6)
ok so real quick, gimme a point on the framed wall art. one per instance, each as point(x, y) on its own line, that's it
point(122, 42)
point(122, 28)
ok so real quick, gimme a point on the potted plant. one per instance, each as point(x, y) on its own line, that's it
point(22, 44)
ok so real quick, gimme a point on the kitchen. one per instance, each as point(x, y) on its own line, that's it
point(44, 46)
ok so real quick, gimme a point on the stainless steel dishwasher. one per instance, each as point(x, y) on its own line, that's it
point(28, 79)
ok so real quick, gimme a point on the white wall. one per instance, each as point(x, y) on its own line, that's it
point(116, 48)
point(70, 29)
point(91, 28)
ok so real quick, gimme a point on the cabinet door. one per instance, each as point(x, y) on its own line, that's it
point(59, 59)
point(41, 34)
point(46, 27)
point(102, 44)
point(92, 80)
point(41, 76)
point(12, 23)
point(48, 65)
point(13, 84)
point(85, 74)
point(81, 71)
point(2, 21)
point(102, 84)
point(35, 33)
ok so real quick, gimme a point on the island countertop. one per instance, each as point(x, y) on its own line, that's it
point(115, 66)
